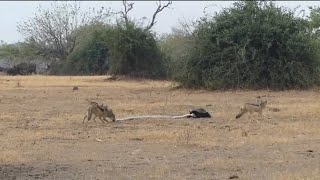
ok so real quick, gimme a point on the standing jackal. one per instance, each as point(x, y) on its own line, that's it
point(252, 107)
point(100, 111)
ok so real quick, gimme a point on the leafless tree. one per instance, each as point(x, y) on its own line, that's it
point(129, 6)
point(54, 31)
point(159, 9)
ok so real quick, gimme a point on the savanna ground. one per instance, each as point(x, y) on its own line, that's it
point(42, 135)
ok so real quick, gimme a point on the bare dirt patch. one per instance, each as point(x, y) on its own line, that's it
point(42, 135)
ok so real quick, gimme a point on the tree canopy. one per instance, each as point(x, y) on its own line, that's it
point(53, 31)
point(252, 45)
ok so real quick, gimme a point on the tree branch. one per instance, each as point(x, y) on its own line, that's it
point(127, 7)
point(159, 9)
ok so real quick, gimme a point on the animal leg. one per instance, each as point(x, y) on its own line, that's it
point(84, 118)
point(260, 115)
point(95, 119)
point(102, 119)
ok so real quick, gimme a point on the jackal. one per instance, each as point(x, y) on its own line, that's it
point(252, 107)
point(100, 111)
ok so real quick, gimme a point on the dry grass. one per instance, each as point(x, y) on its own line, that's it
point(40, 123)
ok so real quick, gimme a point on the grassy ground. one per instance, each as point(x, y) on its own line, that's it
point(42, 135)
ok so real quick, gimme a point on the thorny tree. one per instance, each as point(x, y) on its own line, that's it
point(54, 31)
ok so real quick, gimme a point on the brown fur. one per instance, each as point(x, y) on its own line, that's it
point(252, 107)
point(100, 111)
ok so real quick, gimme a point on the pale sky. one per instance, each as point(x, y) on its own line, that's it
point(12, 12)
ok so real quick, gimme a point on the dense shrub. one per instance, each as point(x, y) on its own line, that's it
point(122, 49)
point(252, 45)
point(135, 52)
point(90, 55)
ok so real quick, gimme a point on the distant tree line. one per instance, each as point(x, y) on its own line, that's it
point(251, 45)
point(87, 42)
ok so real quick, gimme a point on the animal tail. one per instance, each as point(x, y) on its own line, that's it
point(240, 114)
point(89, 114)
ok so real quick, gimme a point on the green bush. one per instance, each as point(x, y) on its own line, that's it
point(120, 50)
point(252, 45)
point(90, 55)
point(135, 53)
